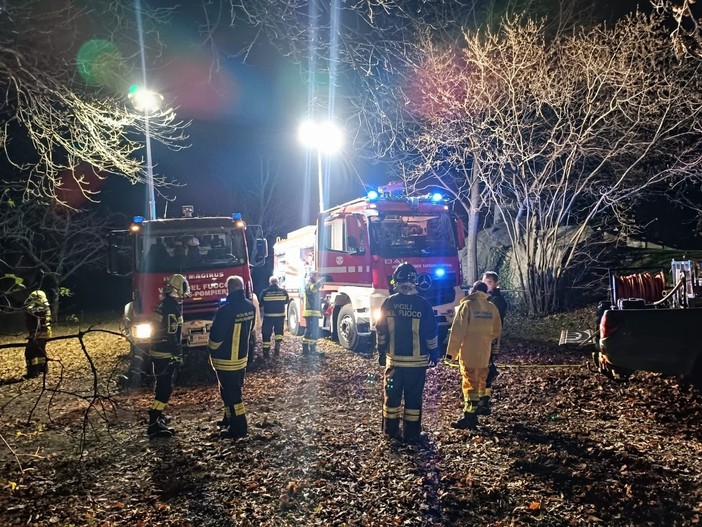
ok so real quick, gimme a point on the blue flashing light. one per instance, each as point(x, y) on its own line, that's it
point(372, 195)
point(440, 272)
point(138, 219)
point(437, 197)
point(236, 216)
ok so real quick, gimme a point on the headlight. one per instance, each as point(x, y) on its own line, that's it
point(142, 331)
point(377, 314)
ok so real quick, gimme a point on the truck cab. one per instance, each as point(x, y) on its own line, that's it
point(205, 250)
point(357, 246)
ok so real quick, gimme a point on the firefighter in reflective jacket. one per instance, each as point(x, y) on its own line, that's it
point(312, 314)
point(408, 343)
point(274, 301)
point(474, 336)
point(229, 350)
point(37, 314)
point(165, 351)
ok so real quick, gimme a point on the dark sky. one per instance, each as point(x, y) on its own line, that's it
point(242, 114)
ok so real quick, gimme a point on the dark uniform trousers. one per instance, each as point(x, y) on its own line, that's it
point(272, 325)
point(311, 335)
point(401, 380)
point(164, 352)
point(231, 384)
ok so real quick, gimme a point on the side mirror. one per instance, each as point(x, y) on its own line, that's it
point(119, 255)
point(261, 248)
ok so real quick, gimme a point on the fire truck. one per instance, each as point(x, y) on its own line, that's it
point(357, 246)
point(206, 250)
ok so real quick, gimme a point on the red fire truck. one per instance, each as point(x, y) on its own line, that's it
point(206, 250)
point(357, 246)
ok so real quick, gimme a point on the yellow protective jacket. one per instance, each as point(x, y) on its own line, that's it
point(475, 327)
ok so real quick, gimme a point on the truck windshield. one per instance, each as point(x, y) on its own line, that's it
point(191, 251)
point(404, 235)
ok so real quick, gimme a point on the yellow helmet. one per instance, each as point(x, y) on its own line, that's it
point(178, 285)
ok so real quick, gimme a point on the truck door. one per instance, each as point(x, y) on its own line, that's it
point(343, 249)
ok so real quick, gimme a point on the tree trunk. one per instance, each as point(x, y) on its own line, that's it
point(471, 271)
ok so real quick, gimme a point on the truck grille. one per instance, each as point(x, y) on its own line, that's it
point(201, 309)
point(440, 291)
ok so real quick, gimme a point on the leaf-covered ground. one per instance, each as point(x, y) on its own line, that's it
point(563, 447)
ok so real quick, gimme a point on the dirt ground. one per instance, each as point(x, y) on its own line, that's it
point(563, 446)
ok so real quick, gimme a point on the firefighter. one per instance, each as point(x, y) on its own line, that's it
point(495, 296)
point(165, 351)
point(274, 301)
point(407, 343)
point(312, 314)
point(229, 349)
point(474, 335)
point(38, 323)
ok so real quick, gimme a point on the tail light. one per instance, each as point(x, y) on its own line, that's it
point(606, 329)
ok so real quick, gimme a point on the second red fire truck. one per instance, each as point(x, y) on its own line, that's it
point(357, 246)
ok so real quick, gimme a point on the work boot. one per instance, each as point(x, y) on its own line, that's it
point(276, 351)
point(237, 428)
point(266, 351)
point(391, 428)
point(469, 421)
point(224, 422)
point(305, 348)
point(483, 406)
point(157, 428)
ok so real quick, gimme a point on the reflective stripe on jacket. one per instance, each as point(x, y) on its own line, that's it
point(229, 336)
point(476, 325)
point(168, 319)
point(313, 304)
point(274, 301)
point(407, 330)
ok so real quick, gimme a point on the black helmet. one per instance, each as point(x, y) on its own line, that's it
point(405, 272)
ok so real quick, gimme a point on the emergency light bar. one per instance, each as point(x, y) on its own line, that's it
point(137, 222)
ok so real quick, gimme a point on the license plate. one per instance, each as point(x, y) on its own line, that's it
point(197, 339)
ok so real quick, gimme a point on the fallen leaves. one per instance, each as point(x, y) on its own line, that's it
point(614, 454)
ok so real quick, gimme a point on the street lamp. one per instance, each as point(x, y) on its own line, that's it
point(325, 137)
point(147, 102)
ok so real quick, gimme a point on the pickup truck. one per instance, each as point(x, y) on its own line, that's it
point(661, 335)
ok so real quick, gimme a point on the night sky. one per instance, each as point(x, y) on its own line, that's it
point(242, 114)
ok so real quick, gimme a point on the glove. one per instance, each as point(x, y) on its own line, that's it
point(381, 359)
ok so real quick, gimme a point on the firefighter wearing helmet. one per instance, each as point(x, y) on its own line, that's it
point(407, 344)
point(166, 351)
point(38, 323)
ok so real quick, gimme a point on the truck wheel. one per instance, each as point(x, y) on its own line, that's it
point(294, 320)
point(347, 330)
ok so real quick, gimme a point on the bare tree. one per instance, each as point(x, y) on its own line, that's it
point(58, 111)
point(566, 131)
point(687, 33)
point(266, 201)
point(50, 244)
